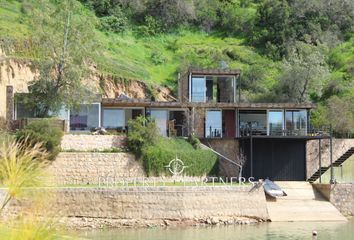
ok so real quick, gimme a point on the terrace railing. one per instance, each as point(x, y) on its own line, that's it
point(311, 132)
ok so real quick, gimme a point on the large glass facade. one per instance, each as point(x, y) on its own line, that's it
point(23, 111)
point(85, 118)
point(113, 118)
point(198, 89)
point(255, 119)
point(213, 124)
point(275, 122)
point(296, 122)
point(160, 117)
point(213, 89)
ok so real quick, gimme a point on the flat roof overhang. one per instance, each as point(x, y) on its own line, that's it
point(111, 102)
point(214, 72)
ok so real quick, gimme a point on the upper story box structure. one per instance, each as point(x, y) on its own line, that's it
point(209, 86)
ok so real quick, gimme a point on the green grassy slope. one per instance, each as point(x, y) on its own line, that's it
point(158, 59)
point(152, 59)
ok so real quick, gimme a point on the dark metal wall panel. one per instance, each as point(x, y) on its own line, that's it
point(276, 159)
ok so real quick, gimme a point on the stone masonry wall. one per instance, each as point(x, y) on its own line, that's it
point(157, 202)
point(230, 149)
point(341, 195)
point(86, 142)
point(340, 146)
point(89, 167)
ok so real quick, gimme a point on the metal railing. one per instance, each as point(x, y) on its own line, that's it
point(311, 132)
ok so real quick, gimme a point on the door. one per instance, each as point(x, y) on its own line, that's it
point(230, 123)
point(276, 159)
point(198, 93)
point(160, 117)
point(213, 124)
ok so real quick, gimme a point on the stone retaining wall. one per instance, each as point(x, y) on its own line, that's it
point(88, 167)
point(341, 195)
point(172, 203)
point(230, 149)
point(87, 142)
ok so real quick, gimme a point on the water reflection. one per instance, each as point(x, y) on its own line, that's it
point(302, 230)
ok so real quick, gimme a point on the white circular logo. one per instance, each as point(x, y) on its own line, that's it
point(176, 166)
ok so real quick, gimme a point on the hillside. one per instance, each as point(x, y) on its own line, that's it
point(154, 59)
point(273, 42)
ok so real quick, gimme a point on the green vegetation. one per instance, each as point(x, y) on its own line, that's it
point(21, 166)
point(157, 152)
point(141, 132)
point(298, 51)
point(199, 162)
point(43, 132)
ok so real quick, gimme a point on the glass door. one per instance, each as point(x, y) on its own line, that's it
point(198, 92)
point(213, 124)
point(160, 117)
point(275, 122)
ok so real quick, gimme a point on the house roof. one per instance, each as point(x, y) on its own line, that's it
point(114, 102)
point(218, 71)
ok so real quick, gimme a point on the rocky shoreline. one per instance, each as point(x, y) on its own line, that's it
point(79, 223)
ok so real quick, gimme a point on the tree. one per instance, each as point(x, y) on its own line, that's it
point(63, 32)
point(272, 26)
point(303, 73)
point(341, 114)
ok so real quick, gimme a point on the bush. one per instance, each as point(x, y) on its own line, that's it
point(141, 132)
point(199, 162)
point(42, 131)
point(151, 27)
point(113, 23)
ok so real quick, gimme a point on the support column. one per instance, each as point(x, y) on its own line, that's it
point(320, 158)
point(251, 153)
point(331, 153)
point(9, 105)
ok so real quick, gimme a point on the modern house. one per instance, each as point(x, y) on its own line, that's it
point(272, 135)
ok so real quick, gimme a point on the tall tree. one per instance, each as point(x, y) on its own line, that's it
point(63, 32)
point(303, 73)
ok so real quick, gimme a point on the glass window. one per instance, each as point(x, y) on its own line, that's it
point(226, 86)
point(296, 122)
point(160, 117)
point(257, 119)
point(113, 118)
point(23, 111)
point(213, 125)
point(198, 89)
point(275, 122)
point(85, 118)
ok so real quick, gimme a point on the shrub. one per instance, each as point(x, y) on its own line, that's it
point(151, 27)
point(42, 131)
point(141, 132)
point(113, 23)
point(199, 162)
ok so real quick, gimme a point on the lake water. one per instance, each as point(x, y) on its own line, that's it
point(273, 231)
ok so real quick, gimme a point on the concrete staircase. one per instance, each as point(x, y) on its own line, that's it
point(302, 203)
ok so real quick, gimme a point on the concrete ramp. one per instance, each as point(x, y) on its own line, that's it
point(302, 203)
